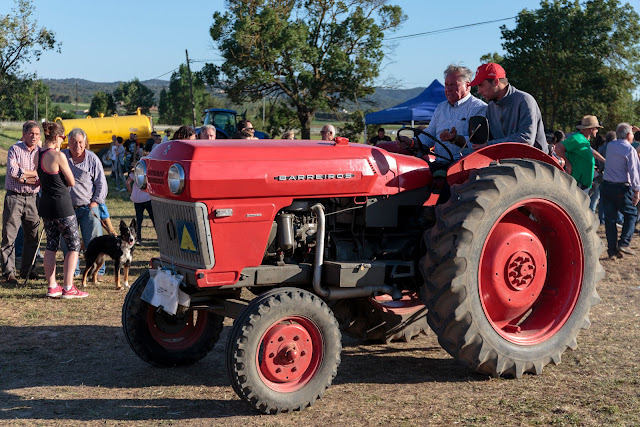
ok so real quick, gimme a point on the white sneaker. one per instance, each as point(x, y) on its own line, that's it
point(123, 189)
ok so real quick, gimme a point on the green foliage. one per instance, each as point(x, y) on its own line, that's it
point(21, 40)
point(576, 59)
point(57, 111)
point(175, 104)
point(102, 103)
point(134, 95)
point(354, 128)
point(18, 101)
point(280, 118)
point(314, 55)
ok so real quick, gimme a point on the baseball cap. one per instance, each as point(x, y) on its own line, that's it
point(488, 71)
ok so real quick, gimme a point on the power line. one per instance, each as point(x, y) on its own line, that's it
point(164, 74)
point(405, 37)
point(445, 30)
point(192, 61)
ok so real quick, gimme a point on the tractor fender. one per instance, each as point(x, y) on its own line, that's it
point(459, 172)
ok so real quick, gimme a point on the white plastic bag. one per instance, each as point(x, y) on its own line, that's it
point(163, 290)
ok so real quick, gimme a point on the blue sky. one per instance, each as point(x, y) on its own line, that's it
point(119, 40)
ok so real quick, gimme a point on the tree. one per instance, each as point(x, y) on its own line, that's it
point(280, 118)
point(576, 59)
point(353, 128)
point(21, 40)
point(102, 103)
point(310, 54)
point(18, 102)
point(56, 111)
point(175, 104)
point(134, 95)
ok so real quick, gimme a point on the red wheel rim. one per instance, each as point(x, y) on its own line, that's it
point(531, 271)
point(176, 332)
point(408, 304)
point(289, 354)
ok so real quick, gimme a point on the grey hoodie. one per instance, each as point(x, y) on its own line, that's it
point(516, 118)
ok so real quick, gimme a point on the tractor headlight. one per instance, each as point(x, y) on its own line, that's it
point(140, 175)
point(175, 178)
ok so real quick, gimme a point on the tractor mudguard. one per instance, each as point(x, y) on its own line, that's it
point(459, 172)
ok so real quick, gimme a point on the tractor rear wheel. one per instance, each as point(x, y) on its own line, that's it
point(283, 351)
point(164, 340)
point(511, 268)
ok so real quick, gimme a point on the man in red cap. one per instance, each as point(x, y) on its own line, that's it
point(513, 115)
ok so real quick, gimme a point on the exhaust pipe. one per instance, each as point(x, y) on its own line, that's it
point(340, 293)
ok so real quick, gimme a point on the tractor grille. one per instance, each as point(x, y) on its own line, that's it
point(184, 236)
point(155, 177)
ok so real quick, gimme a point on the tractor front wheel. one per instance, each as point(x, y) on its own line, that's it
point(511, 268)
point(164, 340)
point(283, 351)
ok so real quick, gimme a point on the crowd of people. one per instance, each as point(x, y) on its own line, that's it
point(68, 188)
point(607, 169)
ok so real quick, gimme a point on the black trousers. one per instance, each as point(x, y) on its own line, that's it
point(140, 208)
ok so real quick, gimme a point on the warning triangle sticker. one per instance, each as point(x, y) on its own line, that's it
point(186, 244)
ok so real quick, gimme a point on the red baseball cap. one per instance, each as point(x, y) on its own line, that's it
point(488, 71)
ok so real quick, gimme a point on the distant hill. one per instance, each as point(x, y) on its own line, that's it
point(64, 90)
point(384, 98)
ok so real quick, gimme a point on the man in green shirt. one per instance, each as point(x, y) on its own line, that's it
point(577, 154)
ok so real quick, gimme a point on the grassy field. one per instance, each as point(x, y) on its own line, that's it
point(67, 362)
point(70, 107)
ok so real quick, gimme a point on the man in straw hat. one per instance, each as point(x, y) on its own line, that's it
point(577, 154)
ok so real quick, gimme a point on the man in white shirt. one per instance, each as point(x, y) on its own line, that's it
point(450, 121)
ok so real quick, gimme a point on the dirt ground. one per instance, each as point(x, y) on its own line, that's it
point(67, 362)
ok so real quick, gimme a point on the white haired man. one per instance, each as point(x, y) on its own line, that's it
point(450, 121)
point(620, 190)
point(328, 133)
point(208, 132)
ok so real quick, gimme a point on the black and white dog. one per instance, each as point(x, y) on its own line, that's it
point(119, 248)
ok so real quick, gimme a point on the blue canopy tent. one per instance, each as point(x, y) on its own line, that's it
point(418, 110)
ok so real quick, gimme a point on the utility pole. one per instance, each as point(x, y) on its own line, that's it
point(193, 104)
point(76, 112)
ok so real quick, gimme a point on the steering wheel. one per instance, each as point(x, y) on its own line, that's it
point(416, 134)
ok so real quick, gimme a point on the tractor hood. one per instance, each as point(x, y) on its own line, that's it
point(282, 168)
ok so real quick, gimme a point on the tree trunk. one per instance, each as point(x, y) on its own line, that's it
point(305, 117)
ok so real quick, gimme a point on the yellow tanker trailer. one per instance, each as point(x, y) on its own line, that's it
point(100, 129)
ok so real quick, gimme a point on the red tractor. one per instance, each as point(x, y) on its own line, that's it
point(335, 236)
